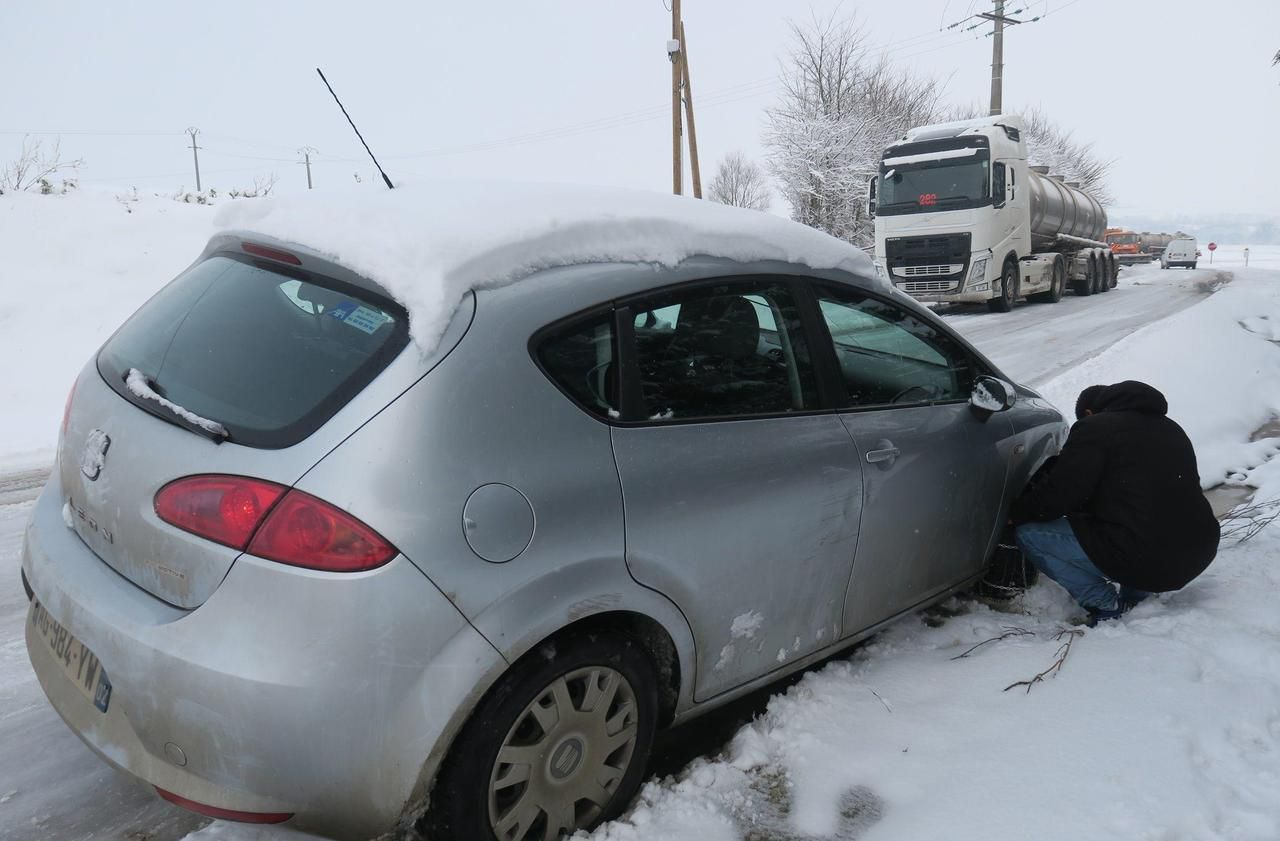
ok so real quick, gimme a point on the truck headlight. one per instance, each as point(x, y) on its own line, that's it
point(978, 276)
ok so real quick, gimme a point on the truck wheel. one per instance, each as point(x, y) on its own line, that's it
point(559, 745)
point(1008, 289)
point(1054, 295)
point(1099, 273)
point(1083, 286)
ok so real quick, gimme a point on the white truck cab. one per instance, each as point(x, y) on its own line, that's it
point(960, 217)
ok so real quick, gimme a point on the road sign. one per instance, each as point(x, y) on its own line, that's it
point(1213, 246)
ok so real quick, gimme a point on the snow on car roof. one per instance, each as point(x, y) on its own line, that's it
point(428, 244)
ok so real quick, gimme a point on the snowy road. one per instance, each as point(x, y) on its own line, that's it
point(1037, 342)
point(52, 787)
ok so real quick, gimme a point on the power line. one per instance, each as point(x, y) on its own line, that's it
point(738, 92)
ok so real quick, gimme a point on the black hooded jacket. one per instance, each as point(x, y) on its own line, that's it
point(1127, 482)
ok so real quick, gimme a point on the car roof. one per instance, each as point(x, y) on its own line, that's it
point(429, 244)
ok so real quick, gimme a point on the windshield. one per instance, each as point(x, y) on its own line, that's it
point(266, 356)
point(947, 184)
point(1122, 239)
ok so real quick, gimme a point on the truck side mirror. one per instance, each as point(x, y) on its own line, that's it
point(1013, 186)
point(871, 197)
point(997, 185)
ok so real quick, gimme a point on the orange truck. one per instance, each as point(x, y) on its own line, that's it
point(1126, 245)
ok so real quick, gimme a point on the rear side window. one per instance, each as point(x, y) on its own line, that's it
point(580, 359)
point(269, 353)
point(722, 351)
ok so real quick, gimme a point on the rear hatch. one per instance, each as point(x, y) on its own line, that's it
point(233, 368)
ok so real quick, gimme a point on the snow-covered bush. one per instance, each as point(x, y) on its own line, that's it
point(35, 167)
point(262, 186)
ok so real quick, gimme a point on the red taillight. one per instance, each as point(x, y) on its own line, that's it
point(224, 509)
point(308, 532)
point(270, 253)
point(66, 410)
point(223, 814)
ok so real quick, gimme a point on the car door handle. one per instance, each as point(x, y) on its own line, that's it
point(884, 455)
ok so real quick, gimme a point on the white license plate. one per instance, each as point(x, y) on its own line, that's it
point(78, 663)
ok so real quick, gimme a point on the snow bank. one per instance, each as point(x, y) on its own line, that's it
point(428, 244)
point(75, 267)
point(1218, 364)
point(1163, 725)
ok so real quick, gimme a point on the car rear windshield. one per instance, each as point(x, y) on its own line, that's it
point(267, 352)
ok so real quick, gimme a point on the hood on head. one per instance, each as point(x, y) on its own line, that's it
point(1131, 396)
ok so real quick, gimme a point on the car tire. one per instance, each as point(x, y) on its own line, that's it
point(541, 710)
point(1009, 282)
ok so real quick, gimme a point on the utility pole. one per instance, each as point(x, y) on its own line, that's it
point(997, 61)
point(674, 48)
point(688, 109)
point(306, 152)
point(997, 54)
point(193, 131)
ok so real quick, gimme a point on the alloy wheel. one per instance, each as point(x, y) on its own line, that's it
point(564, 758)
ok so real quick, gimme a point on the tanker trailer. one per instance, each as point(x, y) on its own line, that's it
point(961, 217)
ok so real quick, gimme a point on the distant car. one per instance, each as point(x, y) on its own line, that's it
point(296, 566)
point(1180, 253)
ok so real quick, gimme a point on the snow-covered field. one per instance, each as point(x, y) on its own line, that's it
point(1162, 726)
point(75, 267)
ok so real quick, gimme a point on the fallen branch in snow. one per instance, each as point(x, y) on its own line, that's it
point(1056, 666)
point(1245, 522)
point(1008, 632)
point(883, 701)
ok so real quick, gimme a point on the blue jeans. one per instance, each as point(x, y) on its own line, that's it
point(1054, 550)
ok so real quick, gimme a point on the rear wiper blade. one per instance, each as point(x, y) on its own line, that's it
point(144, 388)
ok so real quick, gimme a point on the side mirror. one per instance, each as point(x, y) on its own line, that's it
point(871, 197)
point(991, 395)
point(998, 189)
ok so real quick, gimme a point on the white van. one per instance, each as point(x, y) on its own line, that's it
point(1181, 252)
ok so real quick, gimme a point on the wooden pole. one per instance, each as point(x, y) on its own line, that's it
point(677, 166)
point(688, 110)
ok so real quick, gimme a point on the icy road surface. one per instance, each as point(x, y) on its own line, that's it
point(53, 789)
point(1037, 342)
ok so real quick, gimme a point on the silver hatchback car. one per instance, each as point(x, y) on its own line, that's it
point(296, 566)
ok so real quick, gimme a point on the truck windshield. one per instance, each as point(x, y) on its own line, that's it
point(1122, 239)
point(947, 184)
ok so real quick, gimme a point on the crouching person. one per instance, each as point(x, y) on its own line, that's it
point(1122, 505)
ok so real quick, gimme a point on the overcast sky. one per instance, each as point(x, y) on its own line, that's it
point(1181, 94)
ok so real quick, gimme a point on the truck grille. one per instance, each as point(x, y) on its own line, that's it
point(919, 287)
point(929, 271)
point(914, 252)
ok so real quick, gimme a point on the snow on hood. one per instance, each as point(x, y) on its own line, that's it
point(428, 244)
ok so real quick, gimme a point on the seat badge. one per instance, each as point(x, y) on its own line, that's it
point(94, 456)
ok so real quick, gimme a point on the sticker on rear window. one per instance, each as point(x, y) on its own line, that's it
point(366, 319)
point(362, 318)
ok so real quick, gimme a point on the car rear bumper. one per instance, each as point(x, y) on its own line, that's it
point(327, 696)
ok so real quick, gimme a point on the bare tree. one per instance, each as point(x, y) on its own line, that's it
point(35, 166)
point(740, 183)
point(841, 107)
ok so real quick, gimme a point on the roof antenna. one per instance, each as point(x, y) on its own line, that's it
point(390, 186)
